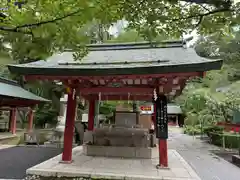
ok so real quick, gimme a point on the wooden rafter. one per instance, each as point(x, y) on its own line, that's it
point(124, 90)
point(127, 87)
point(120, 77)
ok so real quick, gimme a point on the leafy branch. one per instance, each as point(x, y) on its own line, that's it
point(18, 29)
point(204, 14)
point(48, 21)
point(200, 17)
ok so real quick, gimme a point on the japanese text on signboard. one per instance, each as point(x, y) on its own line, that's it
point(161, 117)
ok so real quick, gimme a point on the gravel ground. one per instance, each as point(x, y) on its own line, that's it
point(15, 160)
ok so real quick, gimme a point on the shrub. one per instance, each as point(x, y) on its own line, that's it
point(215, 138)
point(191, 119)
point(192, 130)
point(214, 128)
point(231, 140)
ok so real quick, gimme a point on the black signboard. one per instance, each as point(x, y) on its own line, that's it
point(161, 117)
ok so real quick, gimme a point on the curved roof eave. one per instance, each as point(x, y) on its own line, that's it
point(10, 90)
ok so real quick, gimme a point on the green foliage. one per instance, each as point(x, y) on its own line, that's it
point(225, 47)
point(230, 140)
point(213, 129)
point(107, 108)
point(127, 36)
point(42, 27)
point(45, 114)
point(192, 130)
point(194, 103)
point(215, 97)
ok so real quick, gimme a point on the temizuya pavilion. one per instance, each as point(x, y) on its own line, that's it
point(13, 97)
point(129, 71)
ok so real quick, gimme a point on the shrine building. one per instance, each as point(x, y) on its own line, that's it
point(124, 71)
point(14, 97)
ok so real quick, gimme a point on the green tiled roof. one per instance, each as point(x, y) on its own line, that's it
point(120, 59)
point(11, 89)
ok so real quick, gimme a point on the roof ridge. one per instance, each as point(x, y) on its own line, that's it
point(115, 63)
point(136, 45)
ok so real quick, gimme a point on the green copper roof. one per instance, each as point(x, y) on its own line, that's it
point(121, 59)
point(11, 89)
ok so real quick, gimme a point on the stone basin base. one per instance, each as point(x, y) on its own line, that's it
point(118, 151)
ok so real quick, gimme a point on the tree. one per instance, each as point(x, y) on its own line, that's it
point(38, 28)
point(225, 47)
point(199, 97)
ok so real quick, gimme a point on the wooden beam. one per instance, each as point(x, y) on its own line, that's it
point(18, 103)
point(117, 77)
point(119, 97)
point(120, 90)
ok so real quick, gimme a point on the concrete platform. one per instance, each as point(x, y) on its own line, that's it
point(116, 168)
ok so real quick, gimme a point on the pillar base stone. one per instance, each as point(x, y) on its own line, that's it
point(65, 162)
point(162, 167)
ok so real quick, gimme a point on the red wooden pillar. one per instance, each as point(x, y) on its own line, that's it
point(30, 120)
point(91, 114)
point(162, 145)
point(13, 120)
point(163, 156)
point(69, 126)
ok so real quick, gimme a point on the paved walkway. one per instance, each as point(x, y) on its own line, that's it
point(116, 168)
point(15, 160)
point(198, 154)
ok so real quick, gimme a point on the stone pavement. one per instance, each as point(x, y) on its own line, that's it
point(15, 160)
point(116, 168)
point(198, 154)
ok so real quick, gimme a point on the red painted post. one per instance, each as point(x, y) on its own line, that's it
point(162, 145)
point(163, 155)
point(13, 120)
point(91, 114)
point(69, 126)
point(30, 120)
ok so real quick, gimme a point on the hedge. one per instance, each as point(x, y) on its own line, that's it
point(226, 140)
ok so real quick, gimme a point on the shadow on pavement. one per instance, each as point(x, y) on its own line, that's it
point(16, 160)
